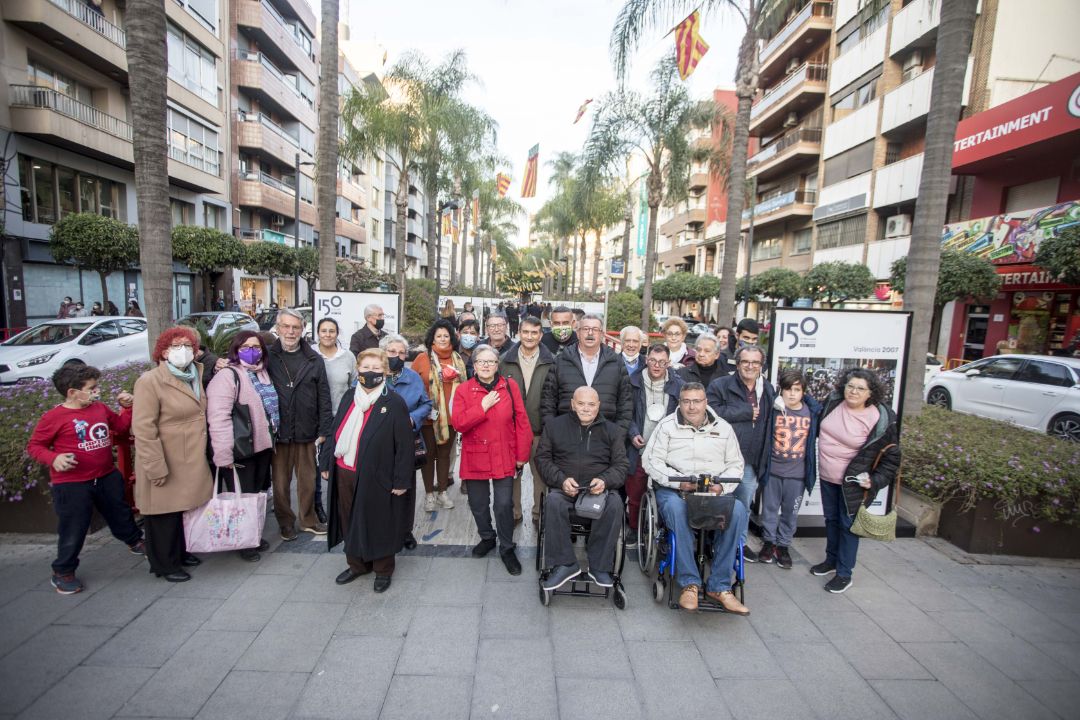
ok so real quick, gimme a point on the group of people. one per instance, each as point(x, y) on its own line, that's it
point(75, 309)
point(472, 409)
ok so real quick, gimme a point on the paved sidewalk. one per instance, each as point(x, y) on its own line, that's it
point(926, 632)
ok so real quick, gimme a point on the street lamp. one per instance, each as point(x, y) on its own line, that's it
point(296, 220)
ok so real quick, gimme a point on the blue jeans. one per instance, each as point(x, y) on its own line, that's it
point(841, 545)
point(745, 494)
point(725, 544)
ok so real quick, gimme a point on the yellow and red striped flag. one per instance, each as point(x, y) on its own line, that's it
point(528, 187)
point(689, 47)
point(502, 182)
point(446, 222)
point(581, 110)
point(476, 212)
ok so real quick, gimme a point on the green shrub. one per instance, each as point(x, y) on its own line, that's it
point(624, 308)
point(22, 405)
point(951, 456)
point(420, 295)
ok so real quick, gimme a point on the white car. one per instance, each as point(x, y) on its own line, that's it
point(1033, 391)
point(99, 341)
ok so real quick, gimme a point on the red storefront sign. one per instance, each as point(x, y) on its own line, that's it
point(1027, 277)
point(1039, 115)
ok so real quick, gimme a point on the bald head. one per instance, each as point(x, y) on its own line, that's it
point(586, 404)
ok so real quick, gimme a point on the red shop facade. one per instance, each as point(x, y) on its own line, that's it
point(1024, 159)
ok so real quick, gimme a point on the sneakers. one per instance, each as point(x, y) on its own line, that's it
point(688, 598)
point(728, 601)
point(444, 501)
point(67, 584)
point(560, 575)
point(429, 502)
point(749, 555)
point(766, 555)
point(318, 529)
point(838, 584)
point(783, 557)
point(483, 547)
point(601, 579)
point(823, 568)
point(139, 548)
point(288, 534)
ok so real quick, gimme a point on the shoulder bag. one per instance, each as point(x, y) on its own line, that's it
point(876, 527)
point(243, 432)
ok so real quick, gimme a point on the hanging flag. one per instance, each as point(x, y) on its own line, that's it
point(528, 187)
point(475, 211)
point(455, 225)
point(503, 184)
point(446, 222)
point(581, 110)
point(689, 47)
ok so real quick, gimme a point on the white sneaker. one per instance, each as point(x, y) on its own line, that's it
point(429, 503)
point(444, 500)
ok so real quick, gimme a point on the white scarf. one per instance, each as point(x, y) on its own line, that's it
point(349, 440)
point(677, 355)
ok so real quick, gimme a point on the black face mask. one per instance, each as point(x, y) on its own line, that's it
point(379, 324)
point(396, 363)
point(370, 379)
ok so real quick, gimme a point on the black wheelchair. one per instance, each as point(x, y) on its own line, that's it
point(581, 586)
point(656, 547)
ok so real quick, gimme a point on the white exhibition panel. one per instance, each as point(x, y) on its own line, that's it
point(347, 308)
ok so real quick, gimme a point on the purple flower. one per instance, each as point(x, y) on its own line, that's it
point(1035, 529)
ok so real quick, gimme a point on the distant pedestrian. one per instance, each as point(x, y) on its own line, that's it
point(65, 308)
point(368, 337)
point(133, 309)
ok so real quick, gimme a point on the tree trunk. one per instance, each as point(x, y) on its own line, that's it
point(453, 250)
point(650, 266)
point(104, 291)
point(434, 237)
point(745, 87)
point(326, 153)
point(144, 23)
point(464, 246)
point(596, 266)
point(924, 256)
point(628, 220)
point(401, 202)
point(476, 262)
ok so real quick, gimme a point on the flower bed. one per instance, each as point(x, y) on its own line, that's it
point(20, 408)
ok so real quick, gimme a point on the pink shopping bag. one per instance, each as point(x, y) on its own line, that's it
point(228, 521)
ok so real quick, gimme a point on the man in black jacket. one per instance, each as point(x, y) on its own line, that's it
point(705, 367)
point(746, 334)
point(368, 337)
point(744, 400)
point(591, 363)
point(581, 452)
point(562, 333)
point(299, 377)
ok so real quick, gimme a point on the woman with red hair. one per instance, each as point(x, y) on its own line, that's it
point(171, 471)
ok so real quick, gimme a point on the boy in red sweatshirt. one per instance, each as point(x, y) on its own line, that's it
point(75, 440)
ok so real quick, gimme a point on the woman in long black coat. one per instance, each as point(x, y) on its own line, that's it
point(370, 466)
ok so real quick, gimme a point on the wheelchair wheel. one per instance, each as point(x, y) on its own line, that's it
point(646, 535)
point(658, 590)
point(545, 597)
point(620, 598)
point(540, 537)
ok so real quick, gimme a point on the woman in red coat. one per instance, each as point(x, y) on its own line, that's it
point(496, 438)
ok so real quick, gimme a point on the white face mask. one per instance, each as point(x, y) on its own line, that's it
point(180, 357)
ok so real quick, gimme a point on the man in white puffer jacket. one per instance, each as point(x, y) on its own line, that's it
point(695, 441)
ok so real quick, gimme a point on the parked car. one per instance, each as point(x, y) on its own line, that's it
point(1037, 392)
point(215, 322)
point(99, 341)
point(697, 329)
point(267, 320)
point(933, 368)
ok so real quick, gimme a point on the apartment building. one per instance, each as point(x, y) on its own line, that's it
point(416, 218)
point(67, 139)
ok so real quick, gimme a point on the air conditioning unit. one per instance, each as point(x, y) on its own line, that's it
point(792, 119)
point(277, 220)
point(913, 66)
point(792, 65)
point(898, 226)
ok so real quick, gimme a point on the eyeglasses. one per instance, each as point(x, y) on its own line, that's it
point(589, 331)
point(675, 332)
point(189, 346)
point(750, 363)
point(658, 363)
point(856, 388)
point(485, 362)
point(692, 401)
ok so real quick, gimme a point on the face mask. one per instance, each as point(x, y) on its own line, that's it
point(370, 379)
point(249, 355)
point(468, 341)
point(379, 324)
point(180, 357)
point(562, 334)
point(396, 363)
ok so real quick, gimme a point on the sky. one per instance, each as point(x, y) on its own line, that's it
point(537, 61)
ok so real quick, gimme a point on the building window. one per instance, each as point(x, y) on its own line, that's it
point(849, 163)
point(841, 233)
point(180, 212)
point(43, 76)
point(861, 95)
point(49, 192)
point(213, 216)
point(803, 241)
point(768, 249)
point(194, 143)
point(192, 65)
point(863, 26)
point(205, 11)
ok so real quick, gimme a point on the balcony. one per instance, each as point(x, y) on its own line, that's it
point(699, 181)
point(809, 28)
point(915, 26)
point(250, 235)
point(803, 88)
point(676, 256)
point(688, 217)
point(793, 147)
point(859, 60)
point(271, 29)
point(71, 25)
point(898, 182)
point(853, 129)
point(354, 192)
point(255, 73)
point(351, 230)
point(791, 203)
point(302, 9)
point(270, 194)
point(256, 131)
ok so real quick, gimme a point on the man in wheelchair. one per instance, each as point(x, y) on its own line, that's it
point(691, 442)
point(581, 453)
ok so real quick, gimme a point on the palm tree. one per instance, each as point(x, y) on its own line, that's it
point(498, 216)
point(603, 208)
point(655, 128)
point(326, 152)
point(144, 23)
point(759, 17)
point(924, 255)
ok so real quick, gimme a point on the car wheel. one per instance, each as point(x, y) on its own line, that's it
point(73, 361)
point(939, 397)
point(1066, 427)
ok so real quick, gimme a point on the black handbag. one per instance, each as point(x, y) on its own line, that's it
point(706, 511)
point(243, 432)
point(420, 450)
point(589, 506)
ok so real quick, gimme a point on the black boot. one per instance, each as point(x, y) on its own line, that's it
point(319, 512)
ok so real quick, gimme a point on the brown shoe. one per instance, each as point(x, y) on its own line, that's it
point(688, 598)
point(728, 601)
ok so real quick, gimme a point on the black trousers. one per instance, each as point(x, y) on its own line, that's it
point(74, 504)
point(165, 546)
point(254, 474)
point(603, 532)
point(479, 499)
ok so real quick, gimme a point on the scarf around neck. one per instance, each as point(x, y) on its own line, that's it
point(349, 440)
point(190, 376)
point(441, 400)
